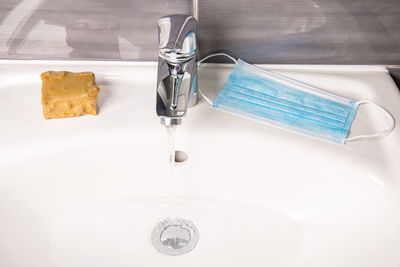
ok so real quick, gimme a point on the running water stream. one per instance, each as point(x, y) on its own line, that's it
point(174, 235)
point(171, 134)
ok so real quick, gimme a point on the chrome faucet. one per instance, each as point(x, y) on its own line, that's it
point(177, 67)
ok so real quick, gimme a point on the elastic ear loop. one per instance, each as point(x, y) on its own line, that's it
point(378, 134)
point(204, 59)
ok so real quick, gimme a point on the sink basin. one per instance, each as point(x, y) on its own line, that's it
point(88, 191)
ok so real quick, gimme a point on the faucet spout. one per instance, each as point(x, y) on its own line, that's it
point(177, 67)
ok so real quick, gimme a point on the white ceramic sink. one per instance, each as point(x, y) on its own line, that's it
point(88, 191)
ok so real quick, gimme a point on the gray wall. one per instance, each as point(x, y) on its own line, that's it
point(303, 31)
point(83, 29)
point(259, 31)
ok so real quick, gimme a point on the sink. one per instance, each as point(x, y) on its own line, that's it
point(88, 191)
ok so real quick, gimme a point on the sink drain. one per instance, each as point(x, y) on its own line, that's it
point(174, 236)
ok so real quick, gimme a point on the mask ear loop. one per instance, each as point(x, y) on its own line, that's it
point(218, 54)
point(204, 59)
point(378, 134)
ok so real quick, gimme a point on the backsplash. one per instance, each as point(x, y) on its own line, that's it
point(303, 31)
point(83, 29)
point(259, 31)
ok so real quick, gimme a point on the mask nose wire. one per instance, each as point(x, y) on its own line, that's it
point(377, 134)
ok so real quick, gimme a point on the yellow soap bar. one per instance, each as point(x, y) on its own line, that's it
point(68, 94)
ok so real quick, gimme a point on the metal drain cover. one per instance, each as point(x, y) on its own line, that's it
point(174, 236)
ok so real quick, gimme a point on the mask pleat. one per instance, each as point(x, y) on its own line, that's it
point(284, 92)
point(293, 108)
point(248, 92)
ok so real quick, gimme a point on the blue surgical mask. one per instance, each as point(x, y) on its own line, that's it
point(289, 104)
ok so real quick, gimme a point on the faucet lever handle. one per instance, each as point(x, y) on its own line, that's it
point(177, 35)
point(176, 87)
